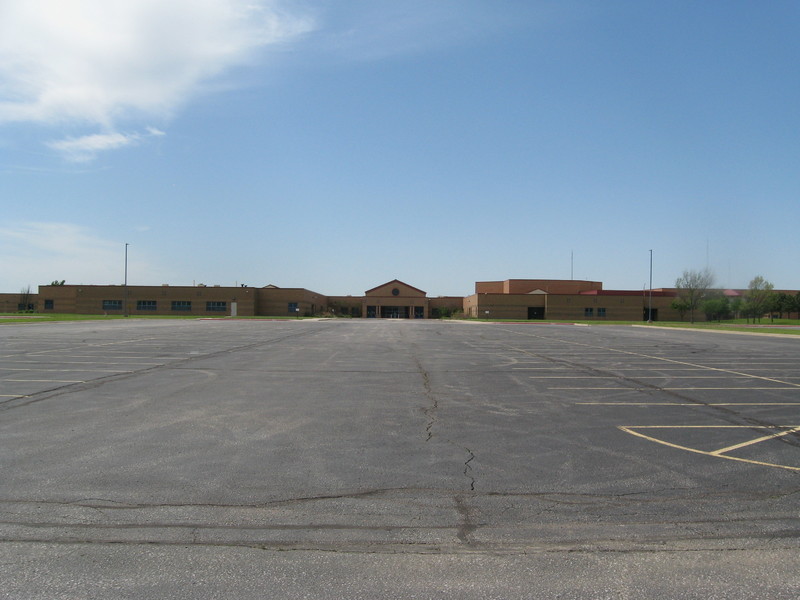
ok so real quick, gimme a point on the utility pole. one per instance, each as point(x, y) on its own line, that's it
point(125, 285)
point(571, 265)
point(650, 298)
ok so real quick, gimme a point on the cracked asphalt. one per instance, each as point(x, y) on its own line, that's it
point(396, 459)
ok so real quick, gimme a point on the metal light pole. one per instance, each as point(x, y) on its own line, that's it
point(650, 292)
point(125, 285)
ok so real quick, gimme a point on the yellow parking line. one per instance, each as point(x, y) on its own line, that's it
point(794, 389)
point(636, 377)
point(674, 389)
point(690, 403)
point(630, 429)
point(666, 360)
point(751, 442)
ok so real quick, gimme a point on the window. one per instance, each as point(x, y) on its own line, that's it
point(214, 306)
point(48, 305)
point(293, 308)
point(112, 304)
point(182, 305)
point(146, 305)
point(588, 312)
point(601, 312)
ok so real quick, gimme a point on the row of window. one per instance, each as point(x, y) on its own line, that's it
point(589, 312)
point(176, 305)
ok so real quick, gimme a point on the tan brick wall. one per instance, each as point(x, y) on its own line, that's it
point(489, 287)
point(454, 304)
point(10, 302)
point(551, 286)
point(559, 304)
point(567, 306)
point(274, 302)
point(349, 306)
point(88, 299)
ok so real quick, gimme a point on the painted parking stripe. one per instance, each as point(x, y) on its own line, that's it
point(637, 377)
point(676, 389)
point(660, 359)
point(721, 453)
point(756, 441)
point(45, 380)
point(692, 404)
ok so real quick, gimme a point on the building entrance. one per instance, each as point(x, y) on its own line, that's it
point(648, 316)
point(536, 312)
point(394, 312)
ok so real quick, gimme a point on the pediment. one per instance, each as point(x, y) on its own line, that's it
point(538, 292)
point(396, 288)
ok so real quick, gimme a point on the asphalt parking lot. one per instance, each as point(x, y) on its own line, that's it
point(396, 459)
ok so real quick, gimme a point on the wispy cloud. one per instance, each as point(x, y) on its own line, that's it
point(85, 148)
point(370, 30)
point(95, 63)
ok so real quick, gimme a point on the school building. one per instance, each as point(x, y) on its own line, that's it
point(522, 299)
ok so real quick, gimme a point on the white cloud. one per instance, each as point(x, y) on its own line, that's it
point(39, 252)
point(99, 62)
point(85, 148)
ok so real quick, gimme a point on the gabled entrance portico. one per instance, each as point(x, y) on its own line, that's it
point(395, 300)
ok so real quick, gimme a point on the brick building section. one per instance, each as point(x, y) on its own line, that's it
point(558, 299)
point(146, 300)
point(519, 299)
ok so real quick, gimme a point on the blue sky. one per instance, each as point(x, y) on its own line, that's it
point(336, 145)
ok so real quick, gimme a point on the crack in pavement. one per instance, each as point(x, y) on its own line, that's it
point(468, 469)
point(432, 406)
point(431, 412)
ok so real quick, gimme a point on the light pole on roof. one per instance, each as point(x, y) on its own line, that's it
point(650, 292)
point(125, 285)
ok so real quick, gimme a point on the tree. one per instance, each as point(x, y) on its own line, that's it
point(716, 308)
point(759, 294)
point(788, 305)
point(693, 288)
point(737, 305)
point(681, 306)
point(25, 304)
point(796, 306)
point(57, 282)
point(780, 303)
